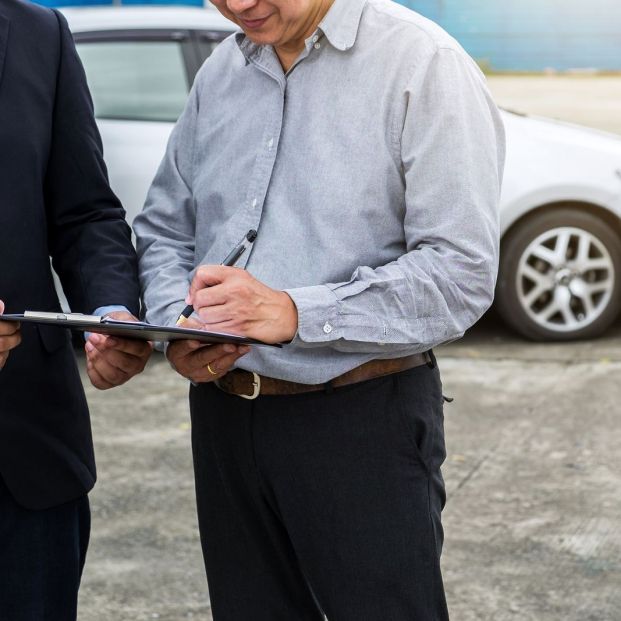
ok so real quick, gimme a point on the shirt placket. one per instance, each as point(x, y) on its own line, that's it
point(263, 168)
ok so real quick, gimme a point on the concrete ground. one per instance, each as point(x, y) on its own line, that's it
point(533, 526)
point(533, 520)
point(584, 99)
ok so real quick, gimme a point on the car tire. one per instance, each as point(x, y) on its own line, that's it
point(559, 277)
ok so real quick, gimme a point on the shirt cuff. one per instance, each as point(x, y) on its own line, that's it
point(104, 310)
point(317, 314)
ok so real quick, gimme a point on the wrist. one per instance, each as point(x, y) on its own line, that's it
point(289, 320)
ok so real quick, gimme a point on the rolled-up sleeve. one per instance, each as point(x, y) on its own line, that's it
point(452, 150)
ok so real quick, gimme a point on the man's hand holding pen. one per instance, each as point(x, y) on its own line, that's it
point(229, 299)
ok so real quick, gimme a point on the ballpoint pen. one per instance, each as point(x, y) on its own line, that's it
point(230, 261)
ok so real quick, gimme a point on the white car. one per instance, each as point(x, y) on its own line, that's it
point(560, 269)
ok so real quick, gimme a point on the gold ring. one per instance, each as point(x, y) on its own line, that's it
point(211, 370)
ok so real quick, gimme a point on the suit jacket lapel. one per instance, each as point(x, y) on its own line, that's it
point(4, 39)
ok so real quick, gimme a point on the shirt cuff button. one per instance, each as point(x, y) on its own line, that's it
point(327, 328)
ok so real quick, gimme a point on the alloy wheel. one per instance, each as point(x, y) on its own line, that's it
point(565, 279)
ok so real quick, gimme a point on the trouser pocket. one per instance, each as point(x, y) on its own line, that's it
point(421, 409)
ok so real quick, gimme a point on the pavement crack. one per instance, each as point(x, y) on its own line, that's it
point(464, 480)
point(534, 407)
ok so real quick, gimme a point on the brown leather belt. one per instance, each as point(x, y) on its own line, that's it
point(250, 385)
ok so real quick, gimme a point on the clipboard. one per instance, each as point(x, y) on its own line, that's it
point(130, 329)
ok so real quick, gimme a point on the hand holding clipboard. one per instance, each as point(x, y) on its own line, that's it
point(10, 337)
point(127, 329)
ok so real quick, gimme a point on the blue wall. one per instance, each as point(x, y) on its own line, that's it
point(515, 35)
point(532, 35)
point(57, 3)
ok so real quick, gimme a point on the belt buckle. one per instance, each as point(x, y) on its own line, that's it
point(256, 387)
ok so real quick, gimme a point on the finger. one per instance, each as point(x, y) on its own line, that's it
point(220, 367)
point(93, 352)
point(195, 367)
point(10, 342)
point(192, 323)
point(224, 364)
point(121, 316)
point(205, 356)
point(211, 296)
point(190, 366)
point(7, 328)
point(133, 347)
point(180, 355)
point(105, 342)
point(182, 349)
point(111, 373)
point(126, 363)
point(3, 358)
point(236, 327)
point(214, 315)
point(96, 379)
point(209, 276)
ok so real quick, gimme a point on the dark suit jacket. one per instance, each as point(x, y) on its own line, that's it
point(54, 201)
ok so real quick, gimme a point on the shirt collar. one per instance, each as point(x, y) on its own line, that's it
point(247, 47)
point(340, 26)
point(342, 22)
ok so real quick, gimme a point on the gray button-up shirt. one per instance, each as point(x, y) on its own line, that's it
point(371, 171)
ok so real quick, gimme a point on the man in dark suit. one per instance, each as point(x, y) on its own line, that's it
point(54, 201)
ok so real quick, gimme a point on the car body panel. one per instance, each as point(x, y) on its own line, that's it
point(133, 151)
point(551, 162)
point(145, 17)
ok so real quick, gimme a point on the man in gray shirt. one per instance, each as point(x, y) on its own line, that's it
point(361, 143)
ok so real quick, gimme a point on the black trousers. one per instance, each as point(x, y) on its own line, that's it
point(42, 554)
point(323, 503)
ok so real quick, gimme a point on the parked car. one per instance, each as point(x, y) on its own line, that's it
point(560, 268)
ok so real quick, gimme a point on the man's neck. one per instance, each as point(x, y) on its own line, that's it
point(288, 53)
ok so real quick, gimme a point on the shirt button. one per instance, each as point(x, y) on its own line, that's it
point(317, 46)
point(270, 143)
point(315, 38)
point(327, 328)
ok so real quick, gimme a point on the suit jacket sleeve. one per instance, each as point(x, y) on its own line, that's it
point(89, 239)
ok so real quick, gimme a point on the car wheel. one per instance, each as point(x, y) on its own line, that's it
point(559, 276)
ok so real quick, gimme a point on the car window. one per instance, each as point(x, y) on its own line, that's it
point(135, 80)
point(207, 46)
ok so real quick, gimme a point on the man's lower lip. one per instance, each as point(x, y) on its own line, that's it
point(253, 24)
